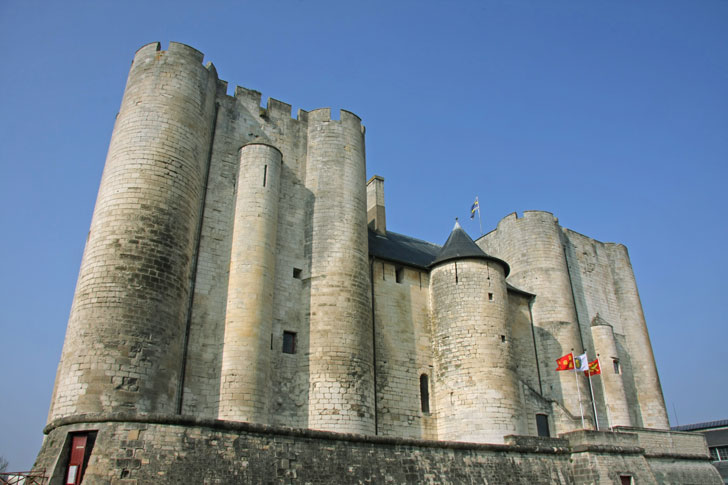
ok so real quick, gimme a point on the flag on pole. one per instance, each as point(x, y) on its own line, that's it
point(474, 207)
point(565, 362)
point(594, 368)
point(581, 363)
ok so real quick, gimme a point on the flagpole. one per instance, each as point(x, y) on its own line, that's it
point(591, 389)
point(479, 221)
point(581, 408)
point(604, 393)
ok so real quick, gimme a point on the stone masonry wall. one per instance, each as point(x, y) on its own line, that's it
point(174, 450)
point(403, 350)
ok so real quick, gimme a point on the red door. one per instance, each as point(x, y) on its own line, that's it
point(75, 464)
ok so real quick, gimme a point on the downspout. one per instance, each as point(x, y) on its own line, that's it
point(374, 346)
point(535, 347)
point(193, 270)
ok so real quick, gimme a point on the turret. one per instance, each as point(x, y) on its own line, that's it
point(615, 397)
point(245, 374)
point(124, 343)
point(341, 392)
point(478, 398)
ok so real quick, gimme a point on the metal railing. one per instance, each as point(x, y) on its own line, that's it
point(37, 477)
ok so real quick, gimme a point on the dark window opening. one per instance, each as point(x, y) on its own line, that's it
point(399, 274)
point(625, 480)
point(456, 273)
point(503, 338)
point(424, 394)
point(542, 425)
point(265, 174)
point(297, 273)
point(289, 342)
point(616, 366)
point(490, 296)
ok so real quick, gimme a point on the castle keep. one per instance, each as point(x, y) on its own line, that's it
point(243, 314)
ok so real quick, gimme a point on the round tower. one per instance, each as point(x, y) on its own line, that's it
point(652, 410)
point(341, 389)
point(477, 397)
point(615, 398)
point(245, 373)
point(533, 247)
point(123, 347)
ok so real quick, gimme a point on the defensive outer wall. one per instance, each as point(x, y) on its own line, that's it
point(242, 315)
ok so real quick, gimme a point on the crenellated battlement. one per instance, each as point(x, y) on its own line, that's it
point(274, 109)
point(530, 216)
point(323, 115)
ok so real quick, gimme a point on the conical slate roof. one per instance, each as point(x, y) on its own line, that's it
point(460, 246)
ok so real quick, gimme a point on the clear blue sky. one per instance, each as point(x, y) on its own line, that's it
point(612, 115)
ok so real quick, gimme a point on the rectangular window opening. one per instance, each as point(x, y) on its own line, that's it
point(503, 338)
point(297, 273)
point(265, 174)
point(289, 342)
point(456, 273)
point(542, 425)
point(626, 480)
point(399, 274)
point(490, 296)
point(424, 394)
point(616, 366)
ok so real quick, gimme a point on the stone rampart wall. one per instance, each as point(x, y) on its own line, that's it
point(173, 449)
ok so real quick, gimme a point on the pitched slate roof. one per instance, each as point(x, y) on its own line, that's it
point(459, 246)
point(402, 249)
point(707, 425)
point(415, 252)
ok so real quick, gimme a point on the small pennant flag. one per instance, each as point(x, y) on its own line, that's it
point(566, 362)
point(581, 363)
point(594, 368)
point(474, 207)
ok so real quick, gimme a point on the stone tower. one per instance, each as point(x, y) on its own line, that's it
point(478, 398)
point(125, 337)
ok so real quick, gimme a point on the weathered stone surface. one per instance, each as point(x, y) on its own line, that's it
point(227, 276)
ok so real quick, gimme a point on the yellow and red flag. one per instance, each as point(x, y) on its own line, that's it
point(594, 368)
point(565, 362)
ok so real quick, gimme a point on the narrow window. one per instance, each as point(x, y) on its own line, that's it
point(265, 174)
point(289, 342)
point(625, 480)
point(271, 341)
point(297, 273)
point(424, 394)
point(503, 338)
point(456, 273)
point(542, 425)
point(490, 296)
point(399, 274)
point(616, 366)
